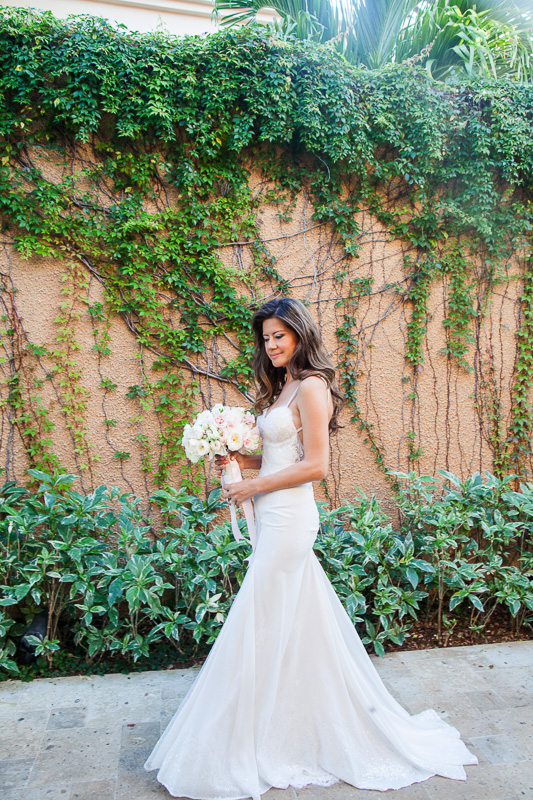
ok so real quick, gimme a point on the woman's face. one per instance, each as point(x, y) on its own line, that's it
point(280, 341)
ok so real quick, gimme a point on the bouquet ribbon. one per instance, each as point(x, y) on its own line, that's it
point(235, 472)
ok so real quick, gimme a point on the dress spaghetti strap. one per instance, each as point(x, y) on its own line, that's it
point(325, 381)
point(294, 395)
point(296, 390)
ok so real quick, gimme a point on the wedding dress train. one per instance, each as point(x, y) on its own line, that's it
point(288, 695)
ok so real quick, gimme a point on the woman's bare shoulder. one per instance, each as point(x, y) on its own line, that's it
point(312, 385)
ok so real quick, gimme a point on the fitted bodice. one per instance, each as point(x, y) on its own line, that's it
point(281, 444)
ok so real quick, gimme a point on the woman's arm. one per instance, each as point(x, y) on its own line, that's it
point(314, 413)
point(253, 461)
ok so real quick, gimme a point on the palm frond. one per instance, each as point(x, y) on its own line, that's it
point(494, 37)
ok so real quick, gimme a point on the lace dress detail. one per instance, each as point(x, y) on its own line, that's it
point(281, 443)
point(288, 695)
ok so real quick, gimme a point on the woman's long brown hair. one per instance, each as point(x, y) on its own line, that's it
point(309, 357)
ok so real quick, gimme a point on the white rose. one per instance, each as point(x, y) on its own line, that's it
point(203, 448)
point(191, 450)
point(187, 434)
point(251, 442)
point(233, 417)
point(234, 440)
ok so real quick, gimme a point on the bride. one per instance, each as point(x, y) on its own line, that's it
point(288, 695)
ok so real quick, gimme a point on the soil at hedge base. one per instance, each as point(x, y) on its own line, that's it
point(422, 635)
point(499, 629)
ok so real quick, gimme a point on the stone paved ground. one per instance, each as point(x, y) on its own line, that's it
point(87, 738)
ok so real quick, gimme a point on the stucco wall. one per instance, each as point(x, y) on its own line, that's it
point(445, 414)
point(179, 17)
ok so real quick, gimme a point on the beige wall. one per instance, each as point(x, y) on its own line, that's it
point(180, 17)
point(447, 417)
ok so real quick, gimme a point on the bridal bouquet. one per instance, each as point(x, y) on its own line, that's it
point(220, 431)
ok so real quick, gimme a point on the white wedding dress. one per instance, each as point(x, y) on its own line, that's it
point(288, 695)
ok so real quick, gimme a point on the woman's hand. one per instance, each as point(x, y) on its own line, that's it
point(221, 461)
point(241, 491)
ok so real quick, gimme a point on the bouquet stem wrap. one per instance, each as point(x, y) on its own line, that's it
point(232, 474)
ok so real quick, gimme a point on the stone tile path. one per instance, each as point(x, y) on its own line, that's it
point(87, 738)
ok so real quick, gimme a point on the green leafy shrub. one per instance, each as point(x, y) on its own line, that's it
point(113, 586)
point(478, 536)
point(467, 549)
point(94, 562)
point(374, 570)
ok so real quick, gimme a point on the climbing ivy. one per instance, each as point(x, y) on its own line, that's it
point(519, 436)
point(158, 137)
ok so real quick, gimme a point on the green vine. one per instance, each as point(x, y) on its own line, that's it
point(23, 406)
point(169, 152)
point(66, 368)
point(521, 425)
